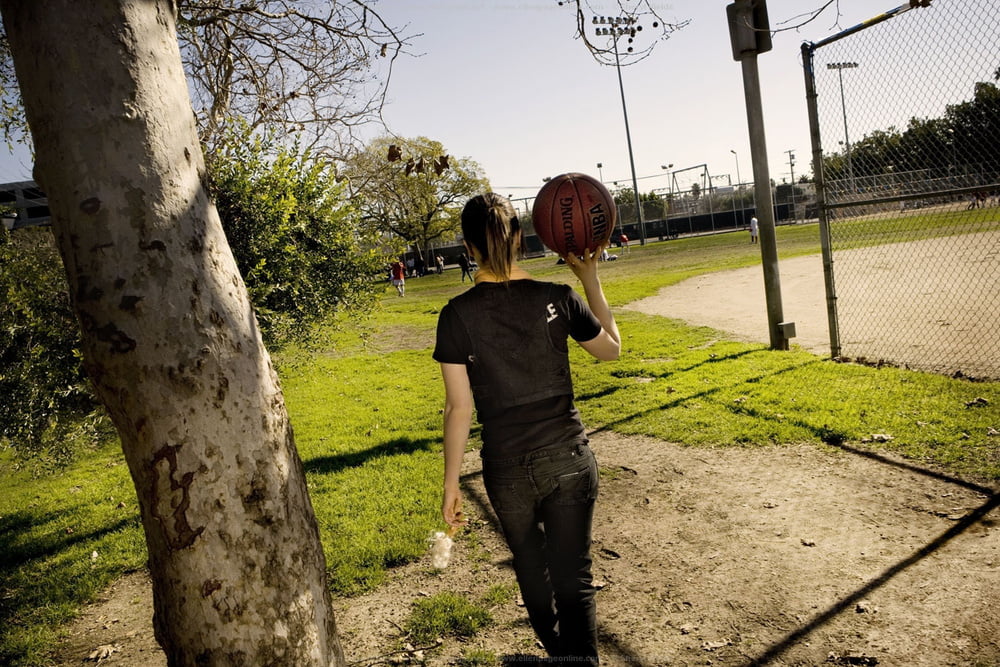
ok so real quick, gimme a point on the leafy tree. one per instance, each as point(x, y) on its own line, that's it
point(411, 188)
point(940, 145)
point(653, 205)
point(695, 191)
point(48, 405)
point(293, 234)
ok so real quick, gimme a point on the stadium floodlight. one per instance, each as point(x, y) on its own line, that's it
point(840, 67)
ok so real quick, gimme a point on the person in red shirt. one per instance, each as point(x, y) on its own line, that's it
point(624, 243)
point(398, 274)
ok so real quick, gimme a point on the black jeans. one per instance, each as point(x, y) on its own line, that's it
point(545, 503)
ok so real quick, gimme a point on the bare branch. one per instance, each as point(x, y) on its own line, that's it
point(315, 69)
point(626, 38)
point(808, 17)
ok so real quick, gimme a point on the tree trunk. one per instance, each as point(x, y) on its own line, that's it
point(169, 338)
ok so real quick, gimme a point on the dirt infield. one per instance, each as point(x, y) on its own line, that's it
point(931, 305)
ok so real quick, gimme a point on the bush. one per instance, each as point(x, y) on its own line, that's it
point(294, 235)
point(48, 406)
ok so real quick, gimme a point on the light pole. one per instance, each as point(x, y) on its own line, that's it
point(791, 167)
point(599, 172)
point(739, 186)
point(739, 183)
point(615, 27)
point(840, 67)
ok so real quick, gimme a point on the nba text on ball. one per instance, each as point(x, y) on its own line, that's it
point(598, 221)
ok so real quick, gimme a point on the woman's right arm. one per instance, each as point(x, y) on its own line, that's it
point(606, 346)
point(458, 405)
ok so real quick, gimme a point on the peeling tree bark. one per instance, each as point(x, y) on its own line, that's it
point(169, 337)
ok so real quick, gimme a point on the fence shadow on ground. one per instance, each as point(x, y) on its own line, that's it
point(847, 603)
point(622, 653)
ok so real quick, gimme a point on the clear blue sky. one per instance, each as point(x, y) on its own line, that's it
point(506, 83)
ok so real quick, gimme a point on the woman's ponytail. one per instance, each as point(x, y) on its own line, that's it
point(490, 224)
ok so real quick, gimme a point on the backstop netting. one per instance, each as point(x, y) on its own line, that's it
point(905, 122)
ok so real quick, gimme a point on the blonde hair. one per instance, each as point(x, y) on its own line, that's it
point(490, 225)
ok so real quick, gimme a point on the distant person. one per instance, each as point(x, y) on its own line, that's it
point(753, 229)
point(420, 267)
point(623, 242)
point(397, 273)
point(410, 264)
point(465, 265)
point(439, 262)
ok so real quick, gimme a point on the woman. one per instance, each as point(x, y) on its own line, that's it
point(502, 347)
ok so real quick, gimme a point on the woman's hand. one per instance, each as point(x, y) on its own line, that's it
point(451, 508)
point(585, 267)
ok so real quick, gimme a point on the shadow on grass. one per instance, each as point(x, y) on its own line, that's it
point(14, 556)
point(681, 400)
point(338, 462)
point(836, 439)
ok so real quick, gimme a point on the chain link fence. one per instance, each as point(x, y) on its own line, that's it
point(905, 121)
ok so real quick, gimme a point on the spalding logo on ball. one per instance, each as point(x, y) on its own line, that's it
point(574, 213)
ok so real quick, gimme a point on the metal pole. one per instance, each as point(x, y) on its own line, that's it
point(631, 159)
point(736, 223)
point(739, 186)
point(820, 182)
point(711, 192)
point(843, 106)
point(791, 167)
point(765, 208)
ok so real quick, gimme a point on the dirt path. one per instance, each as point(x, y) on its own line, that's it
point(733, 301)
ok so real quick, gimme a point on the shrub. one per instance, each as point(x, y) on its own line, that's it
point(48, 406)
point(294, 235)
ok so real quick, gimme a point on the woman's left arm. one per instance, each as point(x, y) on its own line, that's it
point(458, 405)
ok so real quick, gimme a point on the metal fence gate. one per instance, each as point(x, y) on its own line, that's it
point(904, 114)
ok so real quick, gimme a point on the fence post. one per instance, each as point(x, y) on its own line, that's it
point(821, 211)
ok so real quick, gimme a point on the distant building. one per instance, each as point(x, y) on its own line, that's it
point(30, 205)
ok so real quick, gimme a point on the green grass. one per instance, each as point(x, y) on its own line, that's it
point(445, 615)
point(366, 412)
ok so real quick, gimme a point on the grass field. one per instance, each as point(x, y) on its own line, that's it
point(366, 413)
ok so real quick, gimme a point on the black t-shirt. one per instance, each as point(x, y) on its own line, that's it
point(526, 427)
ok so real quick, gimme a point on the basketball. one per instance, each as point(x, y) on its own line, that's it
point(574, 213)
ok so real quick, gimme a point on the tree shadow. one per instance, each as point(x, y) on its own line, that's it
point(580, 398)
point(338, 462)
point(16, 555)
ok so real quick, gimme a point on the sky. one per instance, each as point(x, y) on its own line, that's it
point(507, 83)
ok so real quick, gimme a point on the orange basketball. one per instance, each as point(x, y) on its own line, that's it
point(574, 213)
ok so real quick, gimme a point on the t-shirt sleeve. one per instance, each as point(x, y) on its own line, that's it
point(452, 344)
point(583, 324)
